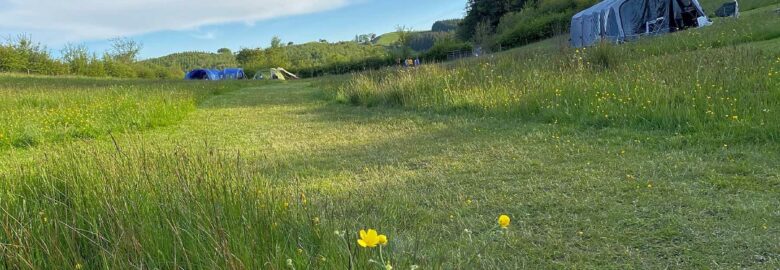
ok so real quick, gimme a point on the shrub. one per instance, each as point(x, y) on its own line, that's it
point(443, 47)
point(534, 28)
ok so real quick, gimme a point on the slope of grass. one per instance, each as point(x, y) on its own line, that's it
point(700, 80)
point(387, 39)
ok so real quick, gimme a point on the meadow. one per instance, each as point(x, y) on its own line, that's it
point(657, 154)
point(45, 110)
point(709, 79)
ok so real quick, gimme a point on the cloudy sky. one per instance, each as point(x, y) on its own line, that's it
point(167, 26)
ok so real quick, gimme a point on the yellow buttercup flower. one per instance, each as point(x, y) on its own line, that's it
point(504, 221)
point(371, 239)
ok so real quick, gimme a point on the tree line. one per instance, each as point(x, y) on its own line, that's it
point(21, 54)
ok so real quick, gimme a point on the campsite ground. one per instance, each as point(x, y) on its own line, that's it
point(435, 185)
point(277, 175)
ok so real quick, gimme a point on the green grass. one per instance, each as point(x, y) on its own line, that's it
point(40, 110)
point(705, 80)
point(222, 189)
point(387, 39)
point(267, 175)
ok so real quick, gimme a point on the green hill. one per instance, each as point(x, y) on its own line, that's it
point(192, 60)
point(388, 39)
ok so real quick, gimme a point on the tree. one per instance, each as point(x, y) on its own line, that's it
point(446, 25)
point(276, 42)
point(77, 58)
point(405, 36)
point(489, 11)
point(125, 50)
point(224, 51)
point(365, 38)
point(483, 35)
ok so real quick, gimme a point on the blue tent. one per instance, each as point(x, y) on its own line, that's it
point(215, 75)
point(233, 74)
point(204, 74)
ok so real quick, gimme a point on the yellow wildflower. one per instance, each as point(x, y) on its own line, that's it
point(371, 239)
point(504, 221)
point(79, 266)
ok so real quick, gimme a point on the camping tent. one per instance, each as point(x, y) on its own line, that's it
point(203, 74)
point(215, 75)
point(622, 20)
point(233, 74)
point(282, 74)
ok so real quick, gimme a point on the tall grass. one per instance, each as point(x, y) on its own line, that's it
point(38, 110)
point(697, 80)
point(150, 210)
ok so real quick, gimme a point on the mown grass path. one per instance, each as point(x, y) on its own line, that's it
point(578, 197)
point(435, 183)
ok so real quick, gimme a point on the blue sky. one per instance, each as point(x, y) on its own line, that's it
point(175, 25)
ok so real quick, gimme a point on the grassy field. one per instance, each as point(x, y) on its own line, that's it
point(261, 175)
point(387, 39)
point(712, 80)
point(612, 157)
point(44, 110)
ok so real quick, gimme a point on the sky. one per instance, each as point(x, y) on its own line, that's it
point(169, 26)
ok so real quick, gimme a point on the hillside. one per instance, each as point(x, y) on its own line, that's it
point(190, 60)
point(388, 39)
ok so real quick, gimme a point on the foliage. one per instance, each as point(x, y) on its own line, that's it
point(443, 46)
point(536, 21)
point(312, 58)
point(225, 51)
point(423, 41)
point(357, 65)
point(446, 25)
point(186, 61)
point(125, 50)
point(487, 12)
point(365, 39)
point(528, 29)
point(22, 55)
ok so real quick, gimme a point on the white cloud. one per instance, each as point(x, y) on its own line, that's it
point(206, 35)
point(77, 20)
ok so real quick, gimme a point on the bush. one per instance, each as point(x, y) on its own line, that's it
point(535, 28)
point(443, 47)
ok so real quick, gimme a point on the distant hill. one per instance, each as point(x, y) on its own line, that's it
point(387, 39)
point(193, 60)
